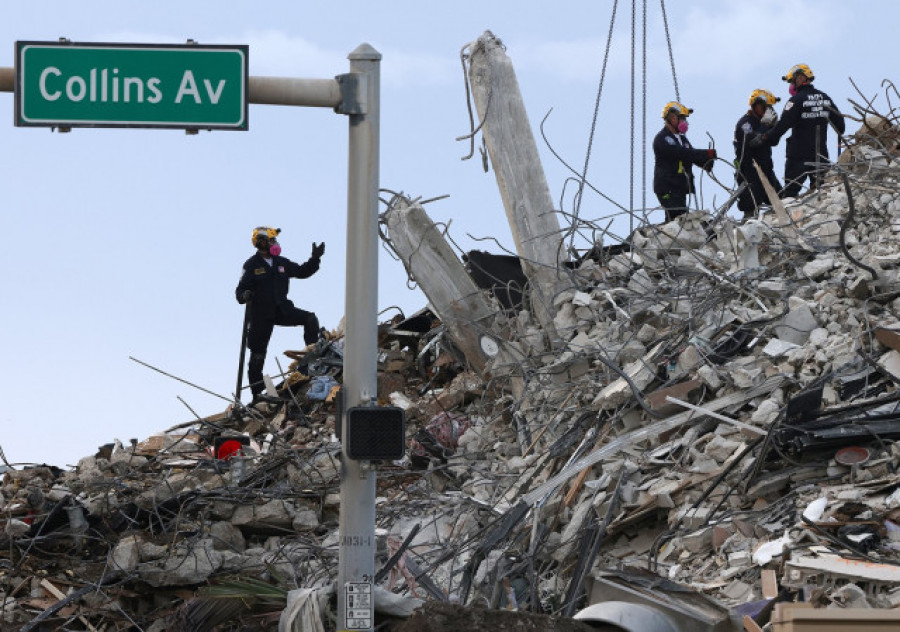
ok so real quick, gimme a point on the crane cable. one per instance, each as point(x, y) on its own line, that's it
point(631, 162)
point(644, 113)
point(587, 158)
point(662, 4)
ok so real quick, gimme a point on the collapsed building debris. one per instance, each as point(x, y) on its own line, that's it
point(704, 437)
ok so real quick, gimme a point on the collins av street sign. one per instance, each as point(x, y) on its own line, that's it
point(185, 86)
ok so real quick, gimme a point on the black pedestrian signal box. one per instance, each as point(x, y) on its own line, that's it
point(376, 433)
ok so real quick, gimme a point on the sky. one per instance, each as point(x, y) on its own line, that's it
point(128, 243)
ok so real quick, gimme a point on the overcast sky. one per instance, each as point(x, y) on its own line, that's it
point(122, 243)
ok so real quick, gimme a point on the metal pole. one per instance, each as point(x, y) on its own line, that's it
point(244, 331)
point(263, 90)
point(356, 565)
point(285, 91)
point(7, 79)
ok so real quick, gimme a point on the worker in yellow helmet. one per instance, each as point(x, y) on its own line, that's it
point(673, 175)
point(760, 118)
point(807, 114)
point(264, 284)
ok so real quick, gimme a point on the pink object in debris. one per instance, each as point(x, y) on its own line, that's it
point(446, 429)
point(393, 545)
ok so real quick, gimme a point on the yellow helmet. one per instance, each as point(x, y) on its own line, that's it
point(763, 95)
point(263, 234)
point(801, 68)
point(677, 107)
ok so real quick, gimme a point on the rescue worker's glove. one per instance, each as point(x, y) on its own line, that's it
point(246, 296)
point(756, 140)
point(318, 251)
point(711, 154)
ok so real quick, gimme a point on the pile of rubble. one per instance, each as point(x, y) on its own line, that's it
point(723, 412)
point(701, 420)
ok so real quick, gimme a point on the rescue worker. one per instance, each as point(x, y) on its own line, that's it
point(760, 118)
point(264, 283)
point(673, 174)
point(807, 114)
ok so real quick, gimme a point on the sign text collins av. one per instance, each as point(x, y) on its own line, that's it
point(131, 85)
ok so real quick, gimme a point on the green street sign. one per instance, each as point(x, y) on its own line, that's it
point(182, 86)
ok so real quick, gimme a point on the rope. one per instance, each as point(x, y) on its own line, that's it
point(587, 157)
point(583, 176)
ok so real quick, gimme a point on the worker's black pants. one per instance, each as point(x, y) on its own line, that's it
point(754, 194)
point(261, 331)
point(674, 203)
point(797, 170)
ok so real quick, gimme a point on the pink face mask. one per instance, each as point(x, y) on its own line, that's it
point(682, 127)
point(274, 250)
point(792, 89)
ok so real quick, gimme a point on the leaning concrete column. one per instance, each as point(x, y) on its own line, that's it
point(468, 314)
point(520, 176)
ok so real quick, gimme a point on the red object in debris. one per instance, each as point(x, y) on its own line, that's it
point(852, 455)
point(446, 429)
point(229, 448)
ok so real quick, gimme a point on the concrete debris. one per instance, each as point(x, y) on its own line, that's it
point(701, 422)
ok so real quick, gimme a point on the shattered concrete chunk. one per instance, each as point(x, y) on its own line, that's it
point(227, 537)
point(193, 566)
point(127, 554)
point(797, 324)
point(640, 373)
point(272, 515)
point(819, 267)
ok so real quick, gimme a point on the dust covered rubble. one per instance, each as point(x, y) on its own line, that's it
point(720, 402)
point(717, 379)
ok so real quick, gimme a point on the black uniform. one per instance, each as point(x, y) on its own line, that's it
point(807, 113)
point(270, 306)
point(747, 128)
point(673, 175)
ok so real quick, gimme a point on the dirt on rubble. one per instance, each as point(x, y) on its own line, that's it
point(437, 616)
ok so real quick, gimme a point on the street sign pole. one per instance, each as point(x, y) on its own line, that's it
point(356, 570)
